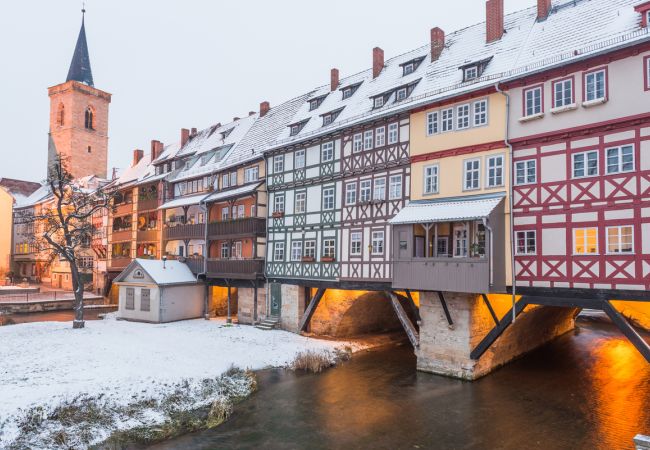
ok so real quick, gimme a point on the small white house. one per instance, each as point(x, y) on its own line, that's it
point(159, 291)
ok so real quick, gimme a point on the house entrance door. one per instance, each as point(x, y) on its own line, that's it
point(276, 299)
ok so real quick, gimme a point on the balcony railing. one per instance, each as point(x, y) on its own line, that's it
point(123, 208)
point(148, 204)
point(250, 226)
point(188, 231)
point(443, 274)
point(123, 235)
point(148, 236)
point(246, 269)
point(119, 263)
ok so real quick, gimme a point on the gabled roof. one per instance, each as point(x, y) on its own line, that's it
point(162, 273)
point(19, 187)
point(80, 64)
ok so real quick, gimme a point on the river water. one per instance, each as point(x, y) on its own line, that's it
point(589, 389)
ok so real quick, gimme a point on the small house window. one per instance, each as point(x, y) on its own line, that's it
point(380, 137)
point(295, 129)
point(393, 133)
point(480, 113)
point(526, 171)
point(299, 157)
point(472, 174)
point(526, 242)
point(355, 243)
point(301, 202)
point(357, 142)
point(278, 203)
point(278, 251)
point(585, 241)
point(585, 164)
point(328, 248)
point(327, 119)
point(367, 140)
point(462, 116)
point(377, 242)
point(431, 179)
point(347, 93)
point(328, 199)
point(365, 188)
point(379, 193)
point(402, 93)
point(432, 123)
point(310, 249)
point(620, 159)
point(447, 120)
point(533, 101)
point(620, 239)
point(563, 93)
point(495, 171)
point(379, 102)
point(145, 300)
point(595, 85)
point(278, 163)
point(89, 119)
point(327, 152)
point(130, 298)
point(647, 70)
point(409, 68)
point(350, 193)
point(296, 250)
point(395, 187)
point(470, 73)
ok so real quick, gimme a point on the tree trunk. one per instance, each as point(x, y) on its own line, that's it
point(78, 288)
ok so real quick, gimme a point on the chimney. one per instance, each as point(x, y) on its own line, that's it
point(137, 156)
point(156, 149)
point(543, 9)
point(334, 79)
point(264, 108)
point(193, 133)
point(493, 20)
point(251, 113)
point(235, 119)
point(437, 43)
point(377, 61)
point(185, 136)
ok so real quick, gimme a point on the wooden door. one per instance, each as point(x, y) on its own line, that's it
point(276, 299)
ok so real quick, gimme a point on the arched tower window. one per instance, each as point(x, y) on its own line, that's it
point(89, 119)
point(60, 115)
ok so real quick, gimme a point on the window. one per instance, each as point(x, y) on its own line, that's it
point(460, 241)
point(525, 171)
point(408, 68)
point(355, 243)
point(234, 212)
point(299, 157)
point(472, 174)
point(379, 102)
point(585, 164)
point(61, 115)
point(253, 211)
point(236, 250)
point(447, 120)
point(296, 251)
point(380, 137)
point(377, 242)
point(470, 73)
point(327, 152)
point(328, 119)
point(563, 93)
point(278, 251)
point(395, 187)
point(619, 239)
point(533, 101)
point(130, 298)
point(251, 174)
point(393, 134)
point(365, 190)
point(278, 163)
point(431, 179)
point(585, 241)
point(295, 129)
point(480, 113)
point(357, 143)
point(145, 300)
point(350, 193)
point(300, 203)
point(310, 249)
point(402, 93)
point(495, 171)
point(328, 198)
point(315, 103)
point(380, 189)
point(620, 159)
point(526, 242)
point(90, 149)
point(432, 123)
point(233, 178)
point(646, 67)
point(462, 119)
point(367, 140)
point(240, 211)
point(224, 213)
point(347, 93)
point(443, 246)
point(328, 248)
point(88, 119)
point(278, 203)
point(595, 85)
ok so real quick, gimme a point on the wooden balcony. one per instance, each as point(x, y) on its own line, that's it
point(471, 275)
point(123, 208)
point(148, 236)
point(121, 236)
point(250, 226)
point(182, 232)
point(195, 264)
point(148, 204)
point(242, 269)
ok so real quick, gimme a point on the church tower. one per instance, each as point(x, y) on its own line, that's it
point(79, 117)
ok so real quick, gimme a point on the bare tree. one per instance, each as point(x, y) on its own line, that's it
point(63, 225)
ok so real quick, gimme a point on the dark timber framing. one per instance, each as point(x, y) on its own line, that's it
point(311, 309)
point(409, 328)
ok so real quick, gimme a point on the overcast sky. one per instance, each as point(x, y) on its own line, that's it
point(190, 63)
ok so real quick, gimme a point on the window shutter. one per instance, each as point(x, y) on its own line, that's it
point(145, 300)
point(130, 294)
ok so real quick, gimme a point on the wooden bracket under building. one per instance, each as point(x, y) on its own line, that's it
point(629, 332)
point(498, 330)
point(411, 332)
point(445, 309)
point(309, 312)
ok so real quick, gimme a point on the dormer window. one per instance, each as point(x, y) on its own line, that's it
point(644, 10)
point(330, 117)
point(316, 102)
point(379, 102)
point(348, 91)
point(474, 70)
point(470, 73)
point(295, 128)
point(225, 134)
point(402, 93)
point(411, 66)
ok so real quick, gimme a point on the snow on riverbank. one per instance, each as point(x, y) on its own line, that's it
point(47, 364)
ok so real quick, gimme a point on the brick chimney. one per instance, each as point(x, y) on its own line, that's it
point(493, 20)
point(377, 61)
point(156, 149)
point(437, 43)
point(185, 136)
point(137, 156)
point(251, 113)
point(334, 79)
point(264, 108)
point(543, 9)
point(193, 132)
point(235, 119)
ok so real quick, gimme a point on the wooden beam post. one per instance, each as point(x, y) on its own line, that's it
point(629, 332)
point(414, 308)
point(445, 308)
point(492, 313)
point(411, 332)
point(492, 336)
point(309, 312)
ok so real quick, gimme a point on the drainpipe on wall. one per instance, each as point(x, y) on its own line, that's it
point(206, 294)
point(510, 201)
point(491, 263)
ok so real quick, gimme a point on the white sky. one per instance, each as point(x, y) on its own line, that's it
point(190, 63)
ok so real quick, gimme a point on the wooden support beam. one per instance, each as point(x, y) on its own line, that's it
point(492, 313)
point(497, 331)
point(411, 332)
point(311, 309)
point(411, 303)
point(641, 345)
point(445, 308)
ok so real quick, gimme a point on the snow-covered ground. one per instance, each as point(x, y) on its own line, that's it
point(49, 363)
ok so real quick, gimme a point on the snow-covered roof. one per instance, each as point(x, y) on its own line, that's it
point(36, 197)
point(183, 201)
point(161, 272)
point(133, 173)
point(230, 193)
point(447, 210)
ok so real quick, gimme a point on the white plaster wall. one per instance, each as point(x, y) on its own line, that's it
point(137, 314)
point(182, 302)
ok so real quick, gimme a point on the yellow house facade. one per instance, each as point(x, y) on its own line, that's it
point(6, 230)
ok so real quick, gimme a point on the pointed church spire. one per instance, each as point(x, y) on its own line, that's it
point(80, 65)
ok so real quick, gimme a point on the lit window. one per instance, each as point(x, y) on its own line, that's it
point(526, 242)
point(447, 120)
point(365, 190)
point(472, 174)
point(533, 101)
point(620, 239)
point(367, 140)
point(480, 113)
point(462, 112)
point(377, 242)
point(585, 241)
point(432, 123)
point(595, 85)
point(328, 248)
point(278, 203)
point(526, 171)
point(585, 164)
point(296, 250)
point(401, 94)
point(299, 157)
point(350, 193)
point(620, 159)
point(310, 249)
point(470, 73)
point(395, 187)
point(278, 163)
point(379, 102)
point(327, 152)
point(380, 137)
point(278, 251)
point(495, 171)
point(328, 199)
point(300, 203)
point(380, 189)
point(393, 134)
point(563, 93)
point(357, 142)
point(355, 243)
point(431, 179)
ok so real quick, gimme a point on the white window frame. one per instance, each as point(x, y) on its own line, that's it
point(225, 250)
point(526, 166)
point(431, 172)
point(327, 152)
point(619, 235)
point(393, 133)
point(300, 202)
point(380, 137)
point(470, 73)
point(241, 213)
point(357, 142)
point(329, 198)
point(278, 164)
point(378, 102)
point(619, 156)
point(575, 251)
point(299, 158)
point(296, 251)
point(365, 187)
point(278, 251)
point(463, 114)
point(474, 171)
point(527, 251)
point(351, 193)
point(585, 167)
point(377, 242)
point(368, 140)
point(225, 213)
point(447, 120)
point(346, 93)
point(310, 248)
point(433, 123)
point(379, 189)
point(356, 242)
point(647, 64)
point(401, 94)
point(252, 174)
point(491, 178)
point(328, 119)
point(409, 68)
point(536, 102)
point(480, 110)
point(329, 247)
point(395, 187)
point(225, 181)
point(563, 101)
point(233, 178)
point(594, 80)
point(278, 203)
